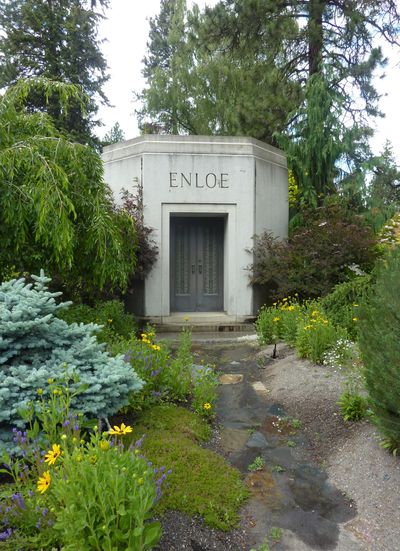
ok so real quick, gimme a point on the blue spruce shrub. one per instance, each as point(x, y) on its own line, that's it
point(36, 345)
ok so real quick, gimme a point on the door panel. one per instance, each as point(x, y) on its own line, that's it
point(196, 264)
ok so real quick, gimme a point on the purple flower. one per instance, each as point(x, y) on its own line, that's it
point(19, 499)
point(5, 535)
point(76, 427)
point(138, 443)
point(38, 524)
point(66, 423)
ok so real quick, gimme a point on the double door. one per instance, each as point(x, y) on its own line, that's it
point(196, 264)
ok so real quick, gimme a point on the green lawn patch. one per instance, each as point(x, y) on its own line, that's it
point(201, 481)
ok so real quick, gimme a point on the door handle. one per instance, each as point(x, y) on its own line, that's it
point(200, 268)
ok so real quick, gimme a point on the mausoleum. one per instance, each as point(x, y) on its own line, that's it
point(205, 197)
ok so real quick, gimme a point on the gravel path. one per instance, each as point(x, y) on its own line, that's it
point(349, 452)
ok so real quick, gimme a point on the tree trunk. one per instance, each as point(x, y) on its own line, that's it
point(316, 10)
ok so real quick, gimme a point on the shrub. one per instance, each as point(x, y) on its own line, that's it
point(74, 494)
point(279, 321)
point(150, 361)
point(108, 313)
point(35, 345)
point(104, 498)
point(315, 334)
point(317, 255)
point(380, 348)
point(342, 305)
point(353, 407)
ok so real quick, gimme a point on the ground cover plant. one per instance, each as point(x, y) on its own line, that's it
point(201, 482)
point(36, 346)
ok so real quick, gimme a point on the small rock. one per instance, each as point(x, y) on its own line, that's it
point(257, 440)
point(231, 378)
point(260, 388)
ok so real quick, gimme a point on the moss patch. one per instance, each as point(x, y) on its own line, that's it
point(201, 481)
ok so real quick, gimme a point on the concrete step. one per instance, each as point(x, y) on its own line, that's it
point(205, 327)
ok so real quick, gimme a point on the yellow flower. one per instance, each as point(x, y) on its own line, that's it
point(276, 319)
point(93, 459)
point(140, 481)
point(50, 381)
point(355, 305)
point(143, 335)
point(52, 455)
point(186, 318)
point(284, 299)
point(207, 406)
point(39, 391)
point(120, 431)
point(104, 445)
point(291, 308)
point(355, 319)
point(44, 482)
point(155, 347)
point(109, 320)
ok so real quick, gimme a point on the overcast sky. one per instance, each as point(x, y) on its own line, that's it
point(126, 30)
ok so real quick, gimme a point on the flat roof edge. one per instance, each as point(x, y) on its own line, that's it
point(171, 144)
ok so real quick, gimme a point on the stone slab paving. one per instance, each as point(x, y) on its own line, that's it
point(290, 491)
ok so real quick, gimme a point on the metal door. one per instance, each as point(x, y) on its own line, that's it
point(196, 264)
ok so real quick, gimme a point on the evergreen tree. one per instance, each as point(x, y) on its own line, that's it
point(380, 347)
point(325, 155)
point(55, 39)
point(36, 345)
point(220, 90)
point(114, 135)
point(385, 184)
point(165, 69)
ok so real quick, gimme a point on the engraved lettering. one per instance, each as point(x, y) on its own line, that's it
point(197, 181)
point(187, 180)
point(211, 184)
point(201, 181)
point(172, 178)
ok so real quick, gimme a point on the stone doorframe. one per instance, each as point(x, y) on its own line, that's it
point(187, 209)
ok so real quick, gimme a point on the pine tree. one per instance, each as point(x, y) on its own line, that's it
point(218, 90)
point(35, 345)
point(380, 347)
point(55, 39)
point(114, 135)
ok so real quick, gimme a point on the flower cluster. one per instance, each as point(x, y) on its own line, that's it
point(147, 338)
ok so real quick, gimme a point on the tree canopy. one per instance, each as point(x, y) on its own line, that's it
point(56, 212)
point(294, 73)
point(57, 40)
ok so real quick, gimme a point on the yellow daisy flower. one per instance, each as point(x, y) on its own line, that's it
point(44, 482)
point(52, 455)
point(207, 406)
point(120, 431)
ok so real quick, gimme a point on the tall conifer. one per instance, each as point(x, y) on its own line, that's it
point(58, 40)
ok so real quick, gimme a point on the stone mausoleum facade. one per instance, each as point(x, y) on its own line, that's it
point(205, 197)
